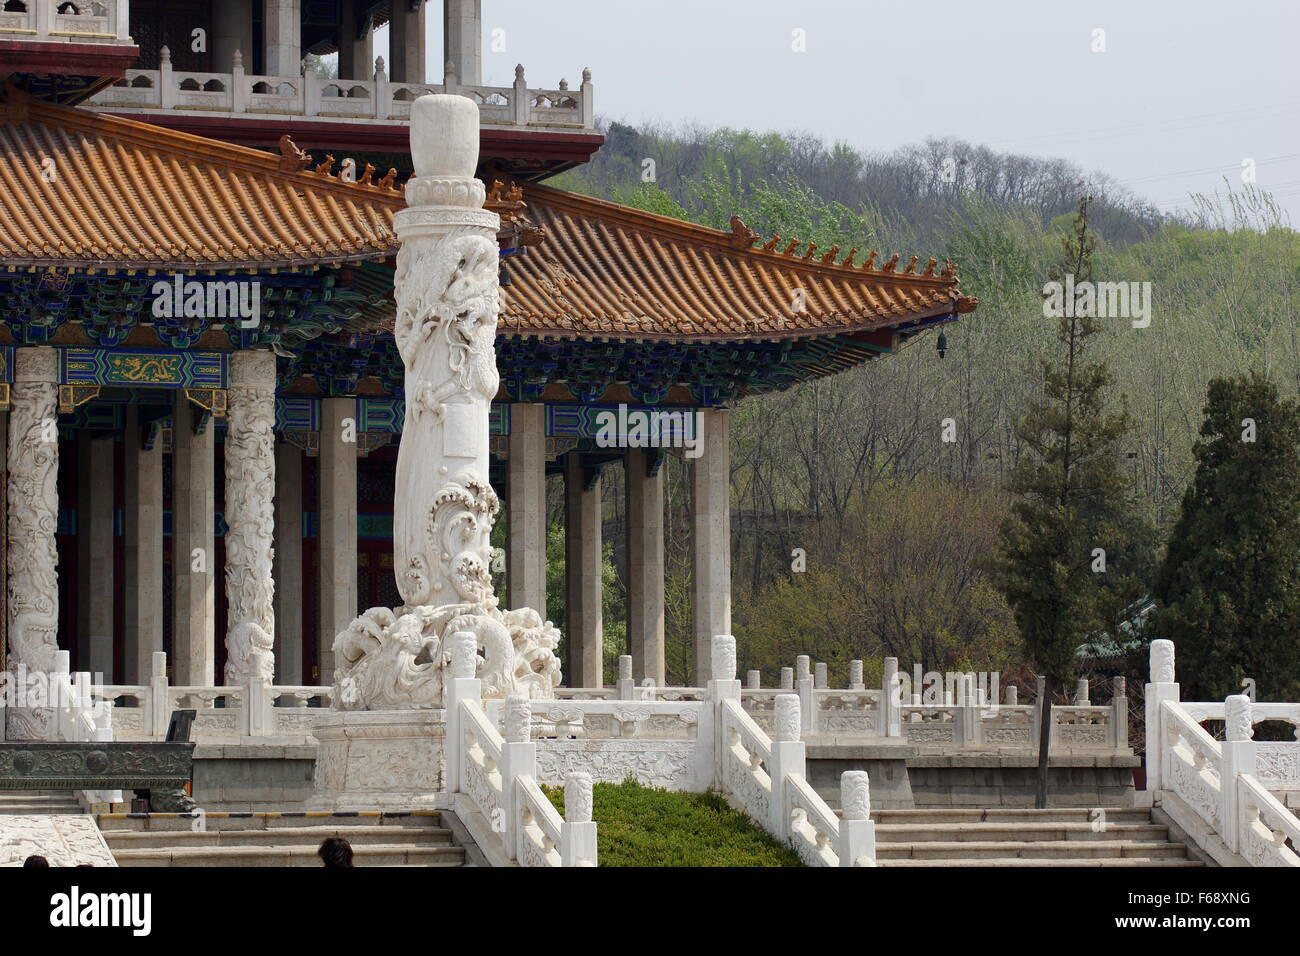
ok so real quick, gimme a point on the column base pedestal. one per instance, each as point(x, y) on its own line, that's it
point(380, 760)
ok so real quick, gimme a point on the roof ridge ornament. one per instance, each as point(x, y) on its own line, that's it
point(742, 237)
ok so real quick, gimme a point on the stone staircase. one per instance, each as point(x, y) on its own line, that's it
point(417, 838)
point(38, 802)
point(1015, 837)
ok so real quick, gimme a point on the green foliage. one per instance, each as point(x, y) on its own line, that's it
point(641, 826)
point(1230, 583)
point(1070, 496)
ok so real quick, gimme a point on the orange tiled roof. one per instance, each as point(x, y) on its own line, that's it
point(123, 194)
point(609, 270)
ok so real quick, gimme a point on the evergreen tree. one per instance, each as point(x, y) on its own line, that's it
point(1229, 587)
point(1071, 519)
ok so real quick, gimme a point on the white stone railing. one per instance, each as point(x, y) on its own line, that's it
point(1211, 788)
point(85, 21)
point(1277, 762)
point(310, 95)
point(962, 719)
point(142, 711)
point(766, 775)
point(499, 775)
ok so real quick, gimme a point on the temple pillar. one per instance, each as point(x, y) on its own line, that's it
point(338, 525)
point(282, 27)
point(711, 536)
point(232, 29)
point(33, 511)
point(645, 563)
point(526, 499)
point(462, 39)
point(193, 556)
point(406, 44)
point(287, 568)
point(142, 539)
point(250, 518)
point(95, 555)
point(583, 564)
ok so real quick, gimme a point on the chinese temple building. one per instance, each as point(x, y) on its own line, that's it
point(194, 232)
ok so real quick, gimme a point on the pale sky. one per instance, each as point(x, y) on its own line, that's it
point(1183, 93)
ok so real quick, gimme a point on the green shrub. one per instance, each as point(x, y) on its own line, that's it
point(642, 826)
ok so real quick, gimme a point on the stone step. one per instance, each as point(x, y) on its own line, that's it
point(184, 822)
point(39, 808)
point(1024, 833)
point(1009, 815)
point(370, 855)
point(282, 836)
point(1033, 850)
point(1091, 861)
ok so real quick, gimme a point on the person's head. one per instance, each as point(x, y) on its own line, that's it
point(335, 851)
point(35, 860)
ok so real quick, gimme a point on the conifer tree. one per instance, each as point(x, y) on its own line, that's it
point(1229, 587)
point(1070, 518)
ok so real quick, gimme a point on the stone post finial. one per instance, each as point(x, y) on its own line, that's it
point(724, 657)
point(753, 679)
point(519, 71)
point(855, 795)
point(821, 676)
point(519, 719)
point(464, 654)
point(165, 55)
point(787, 678)
point(444, 136)
point(1239, 725)
point(586, 74)
point(237, 60)
point(1162, 662)
point(1082, 691)
point(855, 675)
point(786, 722)
point(625, 667)
point(1013, 695)
point(578, 798)
point(803, 667)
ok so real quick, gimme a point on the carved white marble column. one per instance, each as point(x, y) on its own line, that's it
point(711, 535)
point(526, 500)
point(33, 585)
point(447, 296)
point(250, 518)
point(287, 565)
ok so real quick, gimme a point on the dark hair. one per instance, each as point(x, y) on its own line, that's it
point(35, 860)
point(335, 851)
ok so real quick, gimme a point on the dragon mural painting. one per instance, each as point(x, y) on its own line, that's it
point(447, 291)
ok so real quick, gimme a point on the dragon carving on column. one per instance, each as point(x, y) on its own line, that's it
point(447, 292)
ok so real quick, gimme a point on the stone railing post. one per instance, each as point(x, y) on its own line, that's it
point(857, 845)
point(821, 678)
point(787, 758)
point(518, 758)
point(311, 86)
point(626, 685)
point(159, 713)
point(787, 678)
point(238, 84)
point(1012, 696)
point(588, 104)
point(1160, 688)
point(259, 707)
point(383, 91)
point(519, 98)
point(1081, 692)
point(855, 676)
point(807, 703)
point(967, 712)
point(711, 747)
point(1238, 757)
point(61, 697)
point(578, 834)
point(753, 680)
point(1119, 713)
point(462, 686)
point(891, 698)
point(167, 91)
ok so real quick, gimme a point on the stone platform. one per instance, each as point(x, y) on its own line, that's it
point(380, 760)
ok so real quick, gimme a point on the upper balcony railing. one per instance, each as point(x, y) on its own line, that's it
point(308, 94)
point(66, 21)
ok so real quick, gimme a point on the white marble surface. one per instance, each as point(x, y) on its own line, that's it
point(63, 839)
